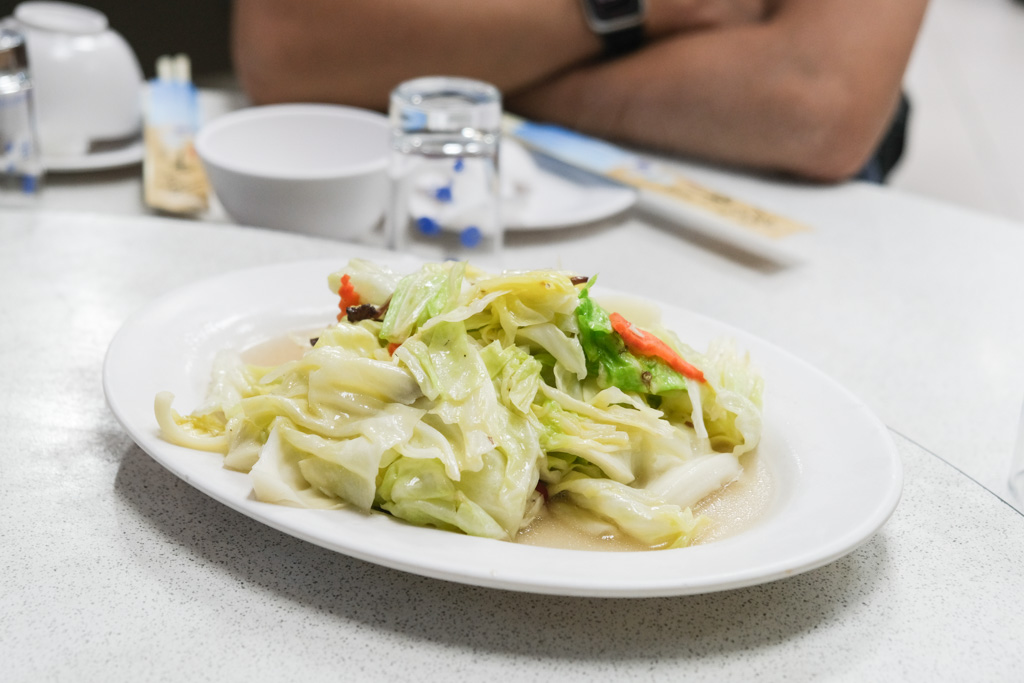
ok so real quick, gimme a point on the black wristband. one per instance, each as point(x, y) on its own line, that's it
point(623, 41)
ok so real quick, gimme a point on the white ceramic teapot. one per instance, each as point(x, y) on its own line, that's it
point(87, 79)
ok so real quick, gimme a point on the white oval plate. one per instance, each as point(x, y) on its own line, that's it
point(837, 474)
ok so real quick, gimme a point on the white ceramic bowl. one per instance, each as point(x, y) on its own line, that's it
point(313, 168)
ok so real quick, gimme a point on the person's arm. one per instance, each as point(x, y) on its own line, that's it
point(809, 91)
point(355, 51)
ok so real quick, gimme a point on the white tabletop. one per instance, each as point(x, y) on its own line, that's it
point(905, 300)
point(113, 566)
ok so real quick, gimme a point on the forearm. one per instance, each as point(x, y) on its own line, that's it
point(808, 92)
point(355, 51)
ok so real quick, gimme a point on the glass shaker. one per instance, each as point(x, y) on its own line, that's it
point(1016, 480)
point(445, 201)
point(21, 167)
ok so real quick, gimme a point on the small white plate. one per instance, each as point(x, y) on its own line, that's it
point(127, 155)
point(838, 477)
point(543, 194)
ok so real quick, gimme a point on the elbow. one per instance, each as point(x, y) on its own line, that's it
point(838, 154)
point(836, 132)
point(265, 86)
point(259, 54)
point(281, 54)
point(831, 166)
point(258, 86)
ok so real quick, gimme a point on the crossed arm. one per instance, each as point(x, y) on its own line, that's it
point(805, 87)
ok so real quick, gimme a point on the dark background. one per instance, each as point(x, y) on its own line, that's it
point(199, 28)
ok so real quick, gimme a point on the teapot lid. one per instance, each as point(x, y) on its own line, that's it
point(61, 17)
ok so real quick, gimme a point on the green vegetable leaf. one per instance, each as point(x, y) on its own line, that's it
point(611, 362)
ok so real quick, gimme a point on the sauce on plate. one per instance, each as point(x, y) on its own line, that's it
point(279, 350)
point(732, 510)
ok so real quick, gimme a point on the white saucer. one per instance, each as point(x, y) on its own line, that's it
point(96, 161)
point(543, 194)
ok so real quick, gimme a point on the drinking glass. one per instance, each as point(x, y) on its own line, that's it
point(1017, 464)
point(445, 200)
point(21, 167)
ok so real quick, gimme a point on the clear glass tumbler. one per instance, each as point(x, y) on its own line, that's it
point(21, 167)
point(1016, 480)
point(445, 200)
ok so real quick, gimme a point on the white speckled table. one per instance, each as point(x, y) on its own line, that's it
point(115, 570)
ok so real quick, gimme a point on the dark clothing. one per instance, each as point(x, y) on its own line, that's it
point(891, 148)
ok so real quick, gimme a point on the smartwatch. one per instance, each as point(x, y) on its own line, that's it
point(619, 23)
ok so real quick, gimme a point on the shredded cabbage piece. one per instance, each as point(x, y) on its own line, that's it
point(474, 398)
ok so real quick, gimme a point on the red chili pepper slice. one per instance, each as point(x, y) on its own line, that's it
point(646, 344)
point(349, 295)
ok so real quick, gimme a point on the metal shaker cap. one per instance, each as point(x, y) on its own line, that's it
point(13, 57)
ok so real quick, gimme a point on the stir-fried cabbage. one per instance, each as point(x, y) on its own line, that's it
point(472, 399)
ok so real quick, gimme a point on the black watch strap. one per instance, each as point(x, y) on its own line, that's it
point(622, 41)
point(618, 23)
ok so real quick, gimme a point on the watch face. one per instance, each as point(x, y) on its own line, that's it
point(607, 10)
point(607, 16)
